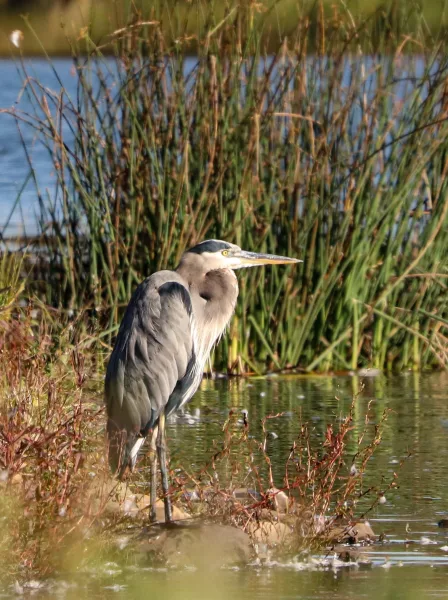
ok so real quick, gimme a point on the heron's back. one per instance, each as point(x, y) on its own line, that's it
point(153, 359)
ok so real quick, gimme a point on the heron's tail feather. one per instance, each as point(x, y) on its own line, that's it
point(123, 450)
point(130, 456)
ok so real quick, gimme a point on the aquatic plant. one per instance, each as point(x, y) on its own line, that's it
point(335, 155)
point(50, 432)
point(11, 281)
point(324, 490)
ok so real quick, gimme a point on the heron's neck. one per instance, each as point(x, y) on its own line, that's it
point(213, 294)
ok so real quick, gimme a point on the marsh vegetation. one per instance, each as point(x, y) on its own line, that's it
point(57, 492)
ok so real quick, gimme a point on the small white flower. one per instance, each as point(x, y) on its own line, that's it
point(16, 38)
point(353, 471)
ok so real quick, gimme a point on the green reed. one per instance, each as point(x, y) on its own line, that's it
point(11, 285)
point(336, 155)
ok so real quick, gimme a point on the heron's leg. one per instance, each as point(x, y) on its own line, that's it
point(161, 448)
point(153, 464)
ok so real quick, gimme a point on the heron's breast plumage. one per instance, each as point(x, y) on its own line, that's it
point(213, 306)
point(213, 302)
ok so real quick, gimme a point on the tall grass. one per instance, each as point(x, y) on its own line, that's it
point(11, 284)
point(337, 156)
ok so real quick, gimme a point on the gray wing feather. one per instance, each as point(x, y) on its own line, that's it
point(154, 351)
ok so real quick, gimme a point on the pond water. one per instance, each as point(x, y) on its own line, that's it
point(412, 562)
point(19, 208)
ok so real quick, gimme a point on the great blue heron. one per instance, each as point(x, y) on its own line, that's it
point(171, 324)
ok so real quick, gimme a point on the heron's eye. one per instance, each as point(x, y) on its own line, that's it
point(225, 253)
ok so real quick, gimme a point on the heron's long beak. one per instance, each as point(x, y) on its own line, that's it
point(252, 259)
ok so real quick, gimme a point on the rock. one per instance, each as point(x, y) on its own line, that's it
point(209, 546)
point(17, 480)
point(135, 505)
point(369, 372)
point(352, 534)
point(272, 516)
point(191, 496)
point(126, 503)
point(270, 533)
point(350, 554)
point(280, 500)
point(266, 514)
point(178, 513)
point(246, 495)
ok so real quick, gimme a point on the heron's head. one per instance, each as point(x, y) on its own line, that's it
point(216, 254)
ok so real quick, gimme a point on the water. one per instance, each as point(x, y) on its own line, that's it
point(417, 583)
point(413, 561)
point(417, 424)
point(14, 166)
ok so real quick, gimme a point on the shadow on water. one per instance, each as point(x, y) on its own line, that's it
point(411, 563)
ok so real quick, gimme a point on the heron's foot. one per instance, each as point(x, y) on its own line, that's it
point(175, 525)
point(182, 524)
point(154, 509)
